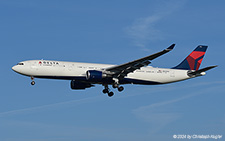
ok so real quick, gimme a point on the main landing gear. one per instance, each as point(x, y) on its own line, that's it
point(116, 85)
point(32, 82)
point(107, 90)
point(120, 88)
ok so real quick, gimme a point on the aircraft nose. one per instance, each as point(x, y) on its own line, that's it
point(14, 68)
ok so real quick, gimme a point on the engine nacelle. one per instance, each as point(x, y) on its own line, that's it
point(76, 85)
point(95, 75)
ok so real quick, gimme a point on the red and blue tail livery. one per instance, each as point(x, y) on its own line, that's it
point(194, 60)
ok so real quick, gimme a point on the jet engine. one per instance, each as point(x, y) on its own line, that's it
point(76, 85)
point(95, 75)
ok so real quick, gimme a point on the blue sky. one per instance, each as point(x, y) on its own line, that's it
point(111, 32)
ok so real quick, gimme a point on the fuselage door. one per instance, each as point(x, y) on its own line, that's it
point(172, 73)
point(34, 65)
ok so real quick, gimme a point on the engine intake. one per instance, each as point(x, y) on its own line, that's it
point(95, 75)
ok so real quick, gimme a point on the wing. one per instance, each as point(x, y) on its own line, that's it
point(120, 71)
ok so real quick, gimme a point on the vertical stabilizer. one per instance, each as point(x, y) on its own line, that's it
point(194, 60)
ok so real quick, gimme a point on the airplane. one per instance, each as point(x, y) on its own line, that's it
point(86, 75)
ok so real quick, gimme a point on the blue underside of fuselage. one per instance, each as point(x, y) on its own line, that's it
point(102, 81)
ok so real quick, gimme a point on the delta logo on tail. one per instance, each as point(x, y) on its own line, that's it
point(194, 60)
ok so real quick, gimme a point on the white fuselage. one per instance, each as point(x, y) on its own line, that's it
point(75, 70)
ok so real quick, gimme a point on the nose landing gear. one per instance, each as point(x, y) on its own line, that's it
point(32, 82)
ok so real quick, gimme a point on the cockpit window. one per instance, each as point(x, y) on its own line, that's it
point(20, 64)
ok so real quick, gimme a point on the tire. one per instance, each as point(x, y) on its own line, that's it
point(115, 85)
point(105, 91)
point(110, 94)
point(120, 89)
point(32, 83)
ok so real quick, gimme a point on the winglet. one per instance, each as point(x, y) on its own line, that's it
point(170, 47)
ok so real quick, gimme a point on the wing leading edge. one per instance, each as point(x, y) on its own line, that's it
point(120, 71)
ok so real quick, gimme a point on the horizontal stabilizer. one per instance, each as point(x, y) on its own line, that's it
point(200, 72)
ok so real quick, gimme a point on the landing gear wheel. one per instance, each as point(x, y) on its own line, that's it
point(32, 83)
point(110, 94)
point(120, 89)
point(105, 91)
point(115, 85)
